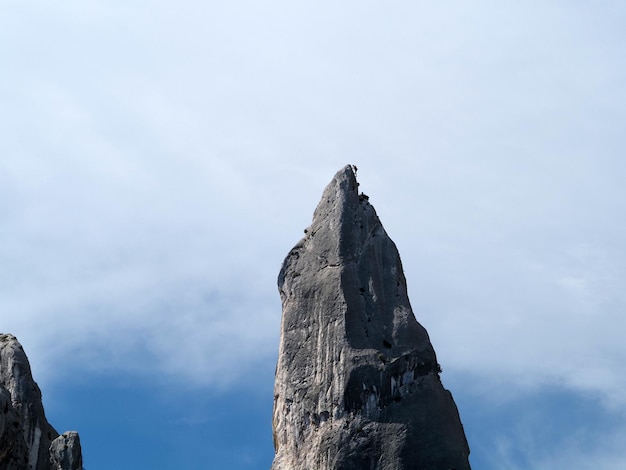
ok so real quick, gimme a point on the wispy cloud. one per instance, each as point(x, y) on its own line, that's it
point(529, 447)
point(159, 164)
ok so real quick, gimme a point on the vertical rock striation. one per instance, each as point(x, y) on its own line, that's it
point(357, 381)
point(27, 440)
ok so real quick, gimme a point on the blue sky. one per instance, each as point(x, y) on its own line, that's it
point(158, 161)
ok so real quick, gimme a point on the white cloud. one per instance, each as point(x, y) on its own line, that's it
point(159, 164)
point(583, 449)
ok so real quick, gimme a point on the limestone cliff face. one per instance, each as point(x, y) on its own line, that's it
point(27, 440)
point(357, 381)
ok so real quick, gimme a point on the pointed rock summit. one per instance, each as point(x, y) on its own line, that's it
point(27, 440)
point(357, 381)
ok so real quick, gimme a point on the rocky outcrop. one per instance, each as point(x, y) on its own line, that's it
point(27, 440)
point(357, 381)
point(65, 452)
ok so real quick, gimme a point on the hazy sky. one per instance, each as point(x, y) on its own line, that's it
point(158, 160)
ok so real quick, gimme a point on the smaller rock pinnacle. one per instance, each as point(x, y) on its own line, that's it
point(27, 440)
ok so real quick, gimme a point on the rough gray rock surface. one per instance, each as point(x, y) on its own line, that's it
point(357, 381)
point(25, 434)
point(65, 452)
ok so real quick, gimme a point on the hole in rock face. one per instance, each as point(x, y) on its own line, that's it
point(386, 344)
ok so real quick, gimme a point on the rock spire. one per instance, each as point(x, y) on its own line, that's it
point(27, 440)
point(357, 381)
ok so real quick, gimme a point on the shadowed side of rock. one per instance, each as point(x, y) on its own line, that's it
point(27, 440)
point(357, 381)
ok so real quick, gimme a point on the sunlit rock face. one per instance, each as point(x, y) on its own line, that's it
point(26, 436)
point(357, 381)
